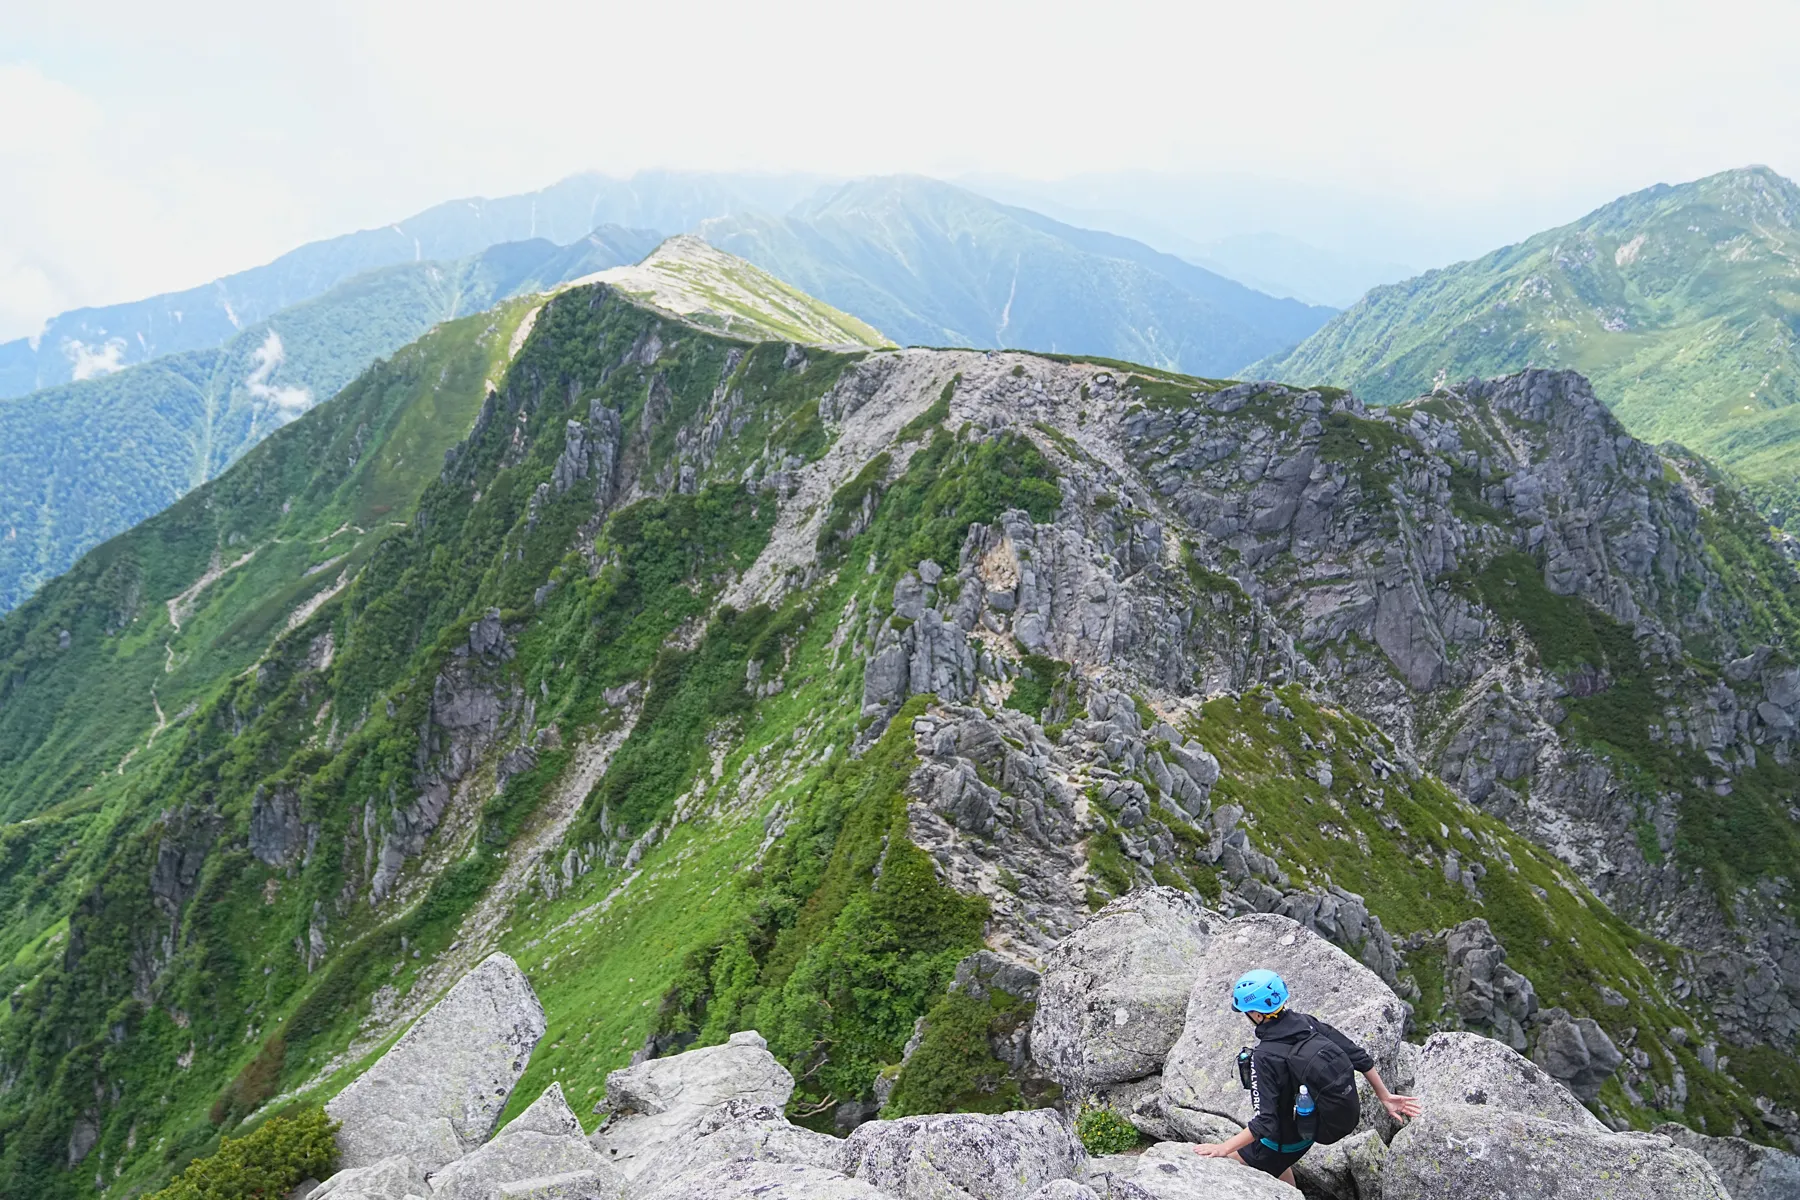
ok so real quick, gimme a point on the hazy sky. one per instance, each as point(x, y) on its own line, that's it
point(145, 147)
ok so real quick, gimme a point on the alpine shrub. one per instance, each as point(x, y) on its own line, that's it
point(267, 1163)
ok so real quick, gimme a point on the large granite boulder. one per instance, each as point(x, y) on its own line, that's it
point(1201, 1074)
point(542, 1143)
point(753, 1180)
point(438, 1092)
point(739, 1131)
point(573, 1185)
point(664, 1102)
point(1172, 1171)
point(1115, 992)
point(1465, 1150)
point(1466, 1068)
point(394, 1178)
point(965, 1156)
point(1749, 1171)
point(1346, 1170)
point(1064, 1189)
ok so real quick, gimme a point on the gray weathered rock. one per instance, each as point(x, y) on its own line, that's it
point(665, 1101)
point(1064, 1189)
point(1576, 1051)
point(741, 1069)
point(739, 1131)
point(1749, 1171)
point(1489, 996)
point(1346, 1170)
point(1115, 992)
point(1201, 1073)
point(277, 835)
point(1139, 1101)
point(751, 1180)
point(573, 1185)
point(965, 1156)
point(1172, 1171)
point(437, 1093)
point(549, 1114)
point(389, 1179)
point(1466, 1068)
point(545, 1141)
point(1460, 1150)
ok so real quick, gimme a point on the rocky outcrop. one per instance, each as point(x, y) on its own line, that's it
point(1172, 1171)
point(1115, 993)
point(1488, 996)
point(664, 1102)
point(1466, 1068)
point(396, 1178)
point(438, 1092)
point(749, 1179)
point(1749, 1171)
point(1576, 1051)
point(917, 651)
point(1460, 1150)
point(991, 803)
point(543, 1142)
point(1201, 1076)
point(965, 1156)
point(278, 837)
point(1346, 1170)
point(738, 1131)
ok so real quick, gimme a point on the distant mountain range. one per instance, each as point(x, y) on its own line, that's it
point(84, 461)
point(1681, 303)
point(137, 403)
point(89, 342)
point(932, 264)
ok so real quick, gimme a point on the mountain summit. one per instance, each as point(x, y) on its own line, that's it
point(692, 280)
point(1679, 303)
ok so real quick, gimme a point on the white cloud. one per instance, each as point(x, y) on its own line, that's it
point(168, 144)
point(288, 402)
point(89, 362)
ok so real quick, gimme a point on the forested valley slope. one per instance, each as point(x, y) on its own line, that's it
point(728, 682)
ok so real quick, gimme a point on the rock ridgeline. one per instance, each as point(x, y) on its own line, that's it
point(1130, 1015)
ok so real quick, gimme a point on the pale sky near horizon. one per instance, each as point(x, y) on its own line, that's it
point(145, 148)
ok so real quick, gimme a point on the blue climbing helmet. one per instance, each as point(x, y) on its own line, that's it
point(1259, 991)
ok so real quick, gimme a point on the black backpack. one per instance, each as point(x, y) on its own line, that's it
point(1325, 1069)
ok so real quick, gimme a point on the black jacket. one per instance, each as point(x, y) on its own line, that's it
point(1272, 1086)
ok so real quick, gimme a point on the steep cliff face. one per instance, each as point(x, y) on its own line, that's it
point(733, 685)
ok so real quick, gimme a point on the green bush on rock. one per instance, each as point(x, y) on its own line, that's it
point(281, 1153)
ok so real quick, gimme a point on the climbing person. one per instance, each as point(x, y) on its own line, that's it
point(1302, 1082)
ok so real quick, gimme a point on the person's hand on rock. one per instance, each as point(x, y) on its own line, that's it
point(1401, 1107)
point(1213, 1150)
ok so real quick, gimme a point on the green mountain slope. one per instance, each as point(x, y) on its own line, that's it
point(81, 462)
point(737, 684)
point(1682, 304)
point(932, 264)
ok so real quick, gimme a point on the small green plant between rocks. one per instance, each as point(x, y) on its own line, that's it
point(1104, 1131)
